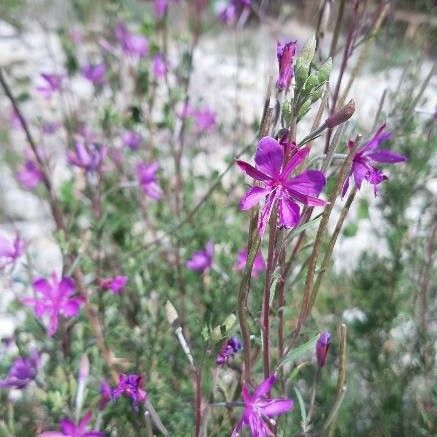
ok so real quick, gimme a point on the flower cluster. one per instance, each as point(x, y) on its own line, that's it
point(228, 351)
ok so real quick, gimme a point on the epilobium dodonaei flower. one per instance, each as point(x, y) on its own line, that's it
point(52, 83)
point(115, 284)
point(22, 371)
point(258, 409)
point(130, 386)
point(10, 250)
point(147, 179)
point(131, 139)
point(131, 44)
point(259, 265)
point(363, 164)
point(322, 347)
point(95, 73)
point(228, 351)
point(29, 175)
point(87, 156)
point(159, 66)
point(276, 186)
point(205, 119)
point(202, 259)
point(70, 429)
point(285, 53)
point(56, 299)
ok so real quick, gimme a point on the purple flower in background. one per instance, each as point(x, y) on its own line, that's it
point(130, 386)
point(159, 66)
point(22, 371)
point(131, 139)
point(285, 53)
point(258, 409)
point(228, 351)
point(202, 260)
point(105, 394)
point(10, 251)
point(94, 73)
point(259, 265)
point(70, 429)
point(55, 300)
point(276, 186)
point(29, 175)
point(87, 156)
point(322, 347)
point(205, 119)
point(364, 159)
point(115, 284)
point(50, 127)
point(52, 83)
point(228, 12)
point(147, 179)
point(131, 44)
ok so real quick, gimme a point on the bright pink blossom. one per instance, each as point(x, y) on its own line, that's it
point(259, 265)
point(205, 119)
point(146, 174)
point(131, 139)
point(115, 284)
point(10, 250)
point(131, 386)
point(70, 429)
point(22, 371)
point(131, 44)
point(363, 164)
point(29, 175)
point(95, 73)
point(52, 83)
point(258, 409)
point(55, 300)
point(202, 260)
point(276, 185)
point(88, 156)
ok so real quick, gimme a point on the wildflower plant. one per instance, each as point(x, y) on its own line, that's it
point(185, 294)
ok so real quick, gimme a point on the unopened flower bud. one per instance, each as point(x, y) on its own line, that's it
point(171, 313)
point(285, 53)
point(322, 347)
point(341, 115)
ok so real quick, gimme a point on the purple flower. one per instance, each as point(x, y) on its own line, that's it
point(87, 156)
point(105, 395)
point(202, 260)
point(94, 73)
point(228, 351)
point(52, 83)
point(285, 53)
point(22, 371)
point(29, 175)
point(205, 120)
point(364, 159)
point(10, 251)
point(131, 139)
point(276, 186)
point(50, 127)
point(147, 179)
point(322, 347)
point(258, 409)
point(69, 428)
point(115, 284)
point(159, 66)
point(131, 44)
point(259, 265)
point(228, 12)
point(55, 300)
point(130, 386)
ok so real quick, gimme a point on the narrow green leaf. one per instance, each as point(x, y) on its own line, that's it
point(303, 413)
point(298, 352)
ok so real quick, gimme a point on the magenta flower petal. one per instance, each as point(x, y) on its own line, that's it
point(66, 286)
point(386, 156)
point(252, 171)
point(359, 171)
point(72, 308)
point(296, 160)
point(252, 197)
point(265, 386)
point(68, 427)
point(309, 182)
point(266, 212)
point(269, 156)
point(289, 213)
point(276, 407)
point(43, 286)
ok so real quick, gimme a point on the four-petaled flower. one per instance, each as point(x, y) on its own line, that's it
point(276, 185)
point(259, 265)
point(130, 386)
point(322, 347)
point(70, 429)
point(52, 83)
point(55, 300)
point(87, 156)
point(258, 409)
point(364, 159)
point(285, 53)
point(22, 371)
point(95, 73)
point(147, 179)
point(115, 284)
point(29, 175)
point(202, 260)
point(131, 44)
point(10, 251)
